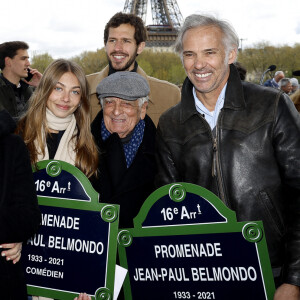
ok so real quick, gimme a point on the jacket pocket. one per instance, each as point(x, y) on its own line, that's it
point(272, 213)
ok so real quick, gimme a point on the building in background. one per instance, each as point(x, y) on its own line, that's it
point(166, 18)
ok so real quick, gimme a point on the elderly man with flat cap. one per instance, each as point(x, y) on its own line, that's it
point(125, 136)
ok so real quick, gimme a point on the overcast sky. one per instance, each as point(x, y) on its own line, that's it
point(65, 28)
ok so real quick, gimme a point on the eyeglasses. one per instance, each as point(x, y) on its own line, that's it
point(125, 105)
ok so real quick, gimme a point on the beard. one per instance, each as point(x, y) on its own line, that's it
point(127, 65)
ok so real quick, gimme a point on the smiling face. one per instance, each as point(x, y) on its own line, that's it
point(65, 97)
point(121, 116)
point(121, 48)
point(287, 88)
point(205, 60)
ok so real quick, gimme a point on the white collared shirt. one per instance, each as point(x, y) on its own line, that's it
point(210, 116)
point(275, 84)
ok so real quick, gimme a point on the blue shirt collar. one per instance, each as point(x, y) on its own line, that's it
point(210, 116)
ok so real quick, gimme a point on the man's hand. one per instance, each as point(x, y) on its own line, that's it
point(287, 292)
point(13, 251)
point(35, 80)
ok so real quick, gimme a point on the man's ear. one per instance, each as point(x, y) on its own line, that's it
point(141, 47)
point(144, 110)
point(7, 61)
point(232, 56)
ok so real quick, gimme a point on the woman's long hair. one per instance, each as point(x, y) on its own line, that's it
point(34, 121)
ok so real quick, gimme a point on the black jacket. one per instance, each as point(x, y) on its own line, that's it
point(253, 164)
point(19, 212)
point(118, 185)
point(8, 98)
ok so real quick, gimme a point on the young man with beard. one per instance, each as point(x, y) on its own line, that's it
point(237, 139)
point(124, 39)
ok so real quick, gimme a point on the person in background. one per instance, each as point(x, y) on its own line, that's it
point(274, 82)
point(285, 85)
point(19, 212)
point(57, 122)
point(125, 136)
point(15, 91)
point(295, 85)
point(124, 39)
point(237, 139)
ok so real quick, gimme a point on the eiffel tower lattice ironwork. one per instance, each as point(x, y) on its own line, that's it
point(166, 18)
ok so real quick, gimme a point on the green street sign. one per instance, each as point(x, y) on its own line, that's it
point(75, 248)
point(186, 244)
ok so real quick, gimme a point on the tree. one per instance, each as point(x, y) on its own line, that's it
point(177, 74)
point(146, 66)
point(168, 66)
point(162, 65)
point(262, 55)
point(41, 61)
point(91, 61)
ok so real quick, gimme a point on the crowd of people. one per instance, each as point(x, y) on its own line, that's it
point(130, 133)
point(289, 86)
point(279, 81)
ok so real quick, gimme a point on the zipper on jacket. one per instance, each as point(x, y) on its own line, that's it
point(214, 165)
point(216, 168)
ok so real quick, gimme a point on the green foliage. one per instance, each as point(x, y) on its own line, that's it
point(177, 74)
point(162, 65)
point(257, 59)
point(168, 66)
point(91, 61)
point(146, 66)
point(41, 61)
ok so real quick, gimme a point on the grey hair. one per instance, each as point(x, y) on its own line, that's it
point(141, 101)
point(294, 82)
point(284, 82)
point(230, 37)
point(278, 73)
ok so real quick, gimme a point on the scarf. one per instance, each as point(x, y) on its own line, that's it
point(65, 150)
point(130, 149)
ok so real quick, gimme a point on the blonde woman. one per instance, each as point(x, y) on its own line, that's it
point(57, 122)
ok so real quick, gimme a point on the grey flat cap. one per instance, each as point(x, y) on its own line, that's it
point(124, 85)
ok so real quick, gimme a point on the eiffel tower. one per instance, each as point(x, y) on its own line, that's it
point(166, 18)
